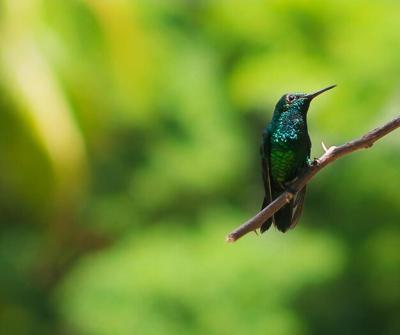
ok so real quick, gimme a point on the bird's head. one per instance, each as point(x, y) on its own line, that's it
point(298, 102)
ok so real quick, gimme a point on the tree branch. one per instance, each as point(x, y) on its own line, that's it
point(328, 157)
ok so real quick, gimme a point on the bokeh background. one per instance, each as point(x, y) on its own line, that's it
point(129, 135)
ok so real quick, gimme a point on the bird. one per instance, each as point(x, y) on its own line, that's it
point(285, 154)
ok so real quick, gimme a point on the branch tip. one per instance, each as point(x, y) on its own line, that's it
point(230, 239)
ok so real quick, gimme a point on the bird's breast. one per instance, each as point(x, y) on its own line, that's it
point(282, 163)
point(288, 153)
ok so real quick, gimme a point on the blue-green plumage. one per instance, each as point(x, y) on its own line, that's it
point(285, 152)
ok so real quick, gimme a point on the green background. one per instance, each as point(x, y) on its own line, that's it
point(129, 134)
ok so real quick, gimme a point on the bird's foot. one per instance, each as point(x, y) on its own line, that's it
point(310, 163)
point(314, 162)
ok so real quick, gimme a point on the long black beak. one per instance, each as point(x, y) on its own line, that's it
point(315, 94)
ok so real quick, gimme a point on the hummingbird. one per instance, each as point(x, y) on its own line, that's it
point(285, 154)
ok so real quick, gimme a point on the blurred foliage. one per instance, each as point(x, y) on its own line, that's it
point(157, 285)
point(114, 112)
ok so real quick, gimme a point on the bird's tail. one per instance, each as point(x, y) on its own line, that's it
point(283, 218)
point(288, 216)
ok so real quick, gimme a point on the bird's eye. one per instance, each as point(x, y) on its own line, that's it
point(290, 98)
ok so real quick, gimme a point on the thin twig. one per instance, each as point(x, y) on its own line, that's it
point(330, 155)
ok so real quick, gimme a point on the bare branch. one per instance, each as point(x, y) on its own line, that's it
point(328, 157)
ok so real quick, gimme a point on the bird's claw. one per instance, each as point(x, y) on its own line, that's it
point(315, 162)
point(312, 162)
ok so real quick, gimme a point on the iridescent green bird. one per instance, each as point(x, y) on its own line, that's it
point(285, 153)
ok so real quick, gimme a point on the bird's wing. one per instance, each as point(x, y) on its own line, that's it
point(299, 198)
point(264, 151)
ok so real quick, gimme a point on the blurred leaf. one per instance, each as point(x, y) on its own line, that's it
point(168, 281)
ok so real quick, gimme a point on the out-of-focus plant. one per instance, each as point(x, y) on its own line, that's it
point(123, 123)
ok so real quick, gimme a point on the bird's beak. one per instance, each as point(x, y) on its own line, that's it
point(313, 95)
